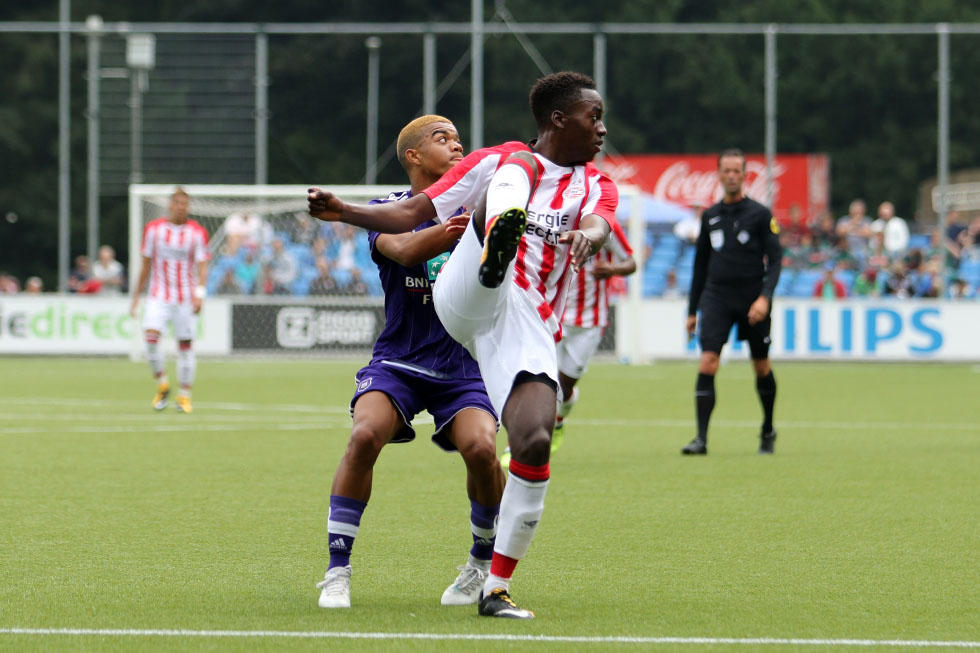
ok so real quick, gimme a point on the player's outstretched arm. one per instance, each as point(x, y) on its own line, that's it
point(414, 248)
point(587, 240)
point(140, 284)
point(387, 218)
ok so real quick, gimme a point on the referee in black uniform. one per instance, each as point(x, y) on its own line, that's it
point(736, 268)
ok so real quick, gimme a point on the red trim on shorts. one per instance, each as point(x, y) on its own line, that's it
point(530, 472)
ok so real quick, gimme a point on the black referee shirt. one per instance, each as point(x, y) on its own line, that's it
point(738, 247)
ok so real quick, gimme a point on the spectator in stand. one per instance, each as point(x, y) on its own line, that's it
point(855, 227)
point(108, 272)
point(955, 225)
point(251, 230)
point(8, 284)
point(671, 289)
point(959, 289)
point(878, 257)
point(824, 231)
point(349, 252)
point(829, 286)
point(247, 272)
point(898, 284)
point(926, 280)
point(229, 283)
point(844, 258)
point(324, 283)
point(33, 286)
point(894, 229)
point(281, 269)
point(969, 240)
point(356, 285)
point(796, 227)
point(80, 279)
point(303, 230)
point(866, 283)
point(319, 247)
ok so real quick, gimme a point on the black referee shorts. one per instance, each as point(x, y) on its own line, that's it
point(723, 307)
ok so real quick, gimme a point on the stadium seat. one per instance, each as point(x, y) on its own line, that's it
point(804, 282)
point(919, 241)
point(969, 271)
point(785, 284)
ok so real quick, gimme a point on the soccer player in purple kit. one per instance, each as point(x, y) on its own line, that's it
point(416, 366)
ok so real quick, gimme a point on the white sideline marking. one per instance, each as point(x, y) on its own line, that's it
point(107, 632)
point(166, 428)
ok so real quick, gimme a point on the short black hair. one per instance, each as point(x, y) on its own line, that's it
point(731, 151)
point(557, 91)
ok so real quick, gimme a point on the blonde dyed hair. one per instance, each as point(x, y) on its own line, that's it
point(410, 136)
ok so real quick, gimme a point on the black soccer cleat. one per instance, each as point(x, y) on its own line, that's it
point(500, 246)
point(499, 604)
point(767, 442)
point(696, 447)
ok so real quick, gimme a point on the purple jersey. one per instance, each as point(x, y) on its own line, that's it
point(413, 336)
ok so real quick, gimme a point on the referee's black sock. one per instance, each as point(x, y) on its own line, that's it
point(704, 399)
point(766, 386)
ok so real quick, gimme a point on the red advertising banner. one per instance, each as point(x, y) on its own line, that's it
point(801, 181)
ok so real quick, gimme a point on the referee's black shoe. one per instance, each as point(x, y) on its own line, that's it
point(767, 442)
point(697, 446)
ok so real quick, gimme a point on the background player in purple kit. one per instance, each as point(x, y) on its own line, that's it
point(416, 366)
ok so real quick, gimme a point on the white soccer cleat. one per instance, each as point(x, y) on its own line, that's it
point(465, 590)
point(335, 588)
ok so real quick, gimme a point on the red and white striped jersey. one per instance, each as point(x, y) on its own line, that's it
point(563, 196)
point(588, 297)
point(174, 251)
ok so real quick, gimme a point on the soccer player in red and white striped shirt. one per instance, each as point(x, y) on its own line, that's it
point(586, 317)
point(540, 210)
point(175, 260)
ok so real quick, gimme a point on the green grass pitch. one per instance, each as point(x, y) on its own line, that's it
point(864, 525)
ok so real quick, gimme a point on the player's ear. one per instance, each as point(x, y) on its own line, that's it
point(558, 118)
point(412, 156)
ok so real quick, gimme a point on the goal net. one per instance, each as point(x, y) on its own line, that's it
point(280, 281)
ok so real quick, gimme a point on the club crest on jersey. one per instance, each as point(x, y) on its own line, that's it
point(743, 236)
point(717, 237)
point(364, 384)
point(575, 190)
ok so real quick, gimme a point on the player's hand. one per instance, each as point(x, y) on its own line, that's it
point(196, 303)
point(759, 310)
point(323, 205)
point(456, 225)
point(602, 269)
point(691, 325)
point(579, 247)
point(133, 306)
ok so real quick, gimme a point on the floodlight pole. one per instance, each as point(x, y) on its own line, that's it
point(476, 75)
point(770, 91)
point(373, 44)
point(94, 37)
point(429, 73)
point(261, 108)
point(64, 143)
point(942, 30)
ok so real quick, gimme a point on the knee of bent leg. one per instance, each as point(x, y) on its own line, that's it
point(479, 452)
point(526, 160)
point(365, 442)
point(534, 448)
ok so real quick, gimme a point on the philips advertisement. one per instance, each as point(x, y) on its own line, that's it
point(817, 330)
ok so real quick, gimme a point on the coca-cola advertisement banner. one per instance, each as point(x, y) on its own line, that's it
point(801, 181)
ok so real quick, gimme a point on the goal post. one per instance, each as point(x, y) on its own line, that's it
point(300, 318)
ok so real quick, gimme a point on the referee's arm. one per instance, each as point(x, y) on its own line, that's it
point(774, 262)
point(699, 277)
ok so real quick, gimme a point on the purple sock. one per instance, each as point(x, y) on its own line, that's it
point(342, 524)
point(483, 522)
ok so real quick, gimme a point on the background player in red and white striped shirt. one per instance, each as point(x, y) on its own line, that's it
point(175, 260)
point(539, 211)
point(586, 317)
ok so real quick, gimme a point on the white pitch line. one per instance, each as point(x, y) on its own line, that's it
point(168, 428)
point(113, 403)
point(756, 641)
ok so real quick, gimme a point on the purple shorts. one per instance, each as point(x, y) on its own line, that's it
point(412, 391)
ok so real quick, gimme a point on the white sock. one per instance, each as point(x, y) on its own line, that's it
point(186, 368)
point(508, 188)
point(520, 511)
point(155, 358)
point(493, 582)
point(565, 407)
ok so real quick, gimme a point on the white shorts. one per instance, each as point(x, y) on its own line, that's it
point(576, 348)
point(500, 327)
point(159, 313)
